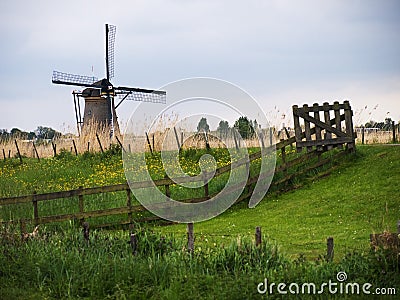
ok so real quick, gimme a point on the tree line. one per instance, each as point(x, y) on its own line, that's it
point(385, 126)
point(40, 133)
point(245, 127)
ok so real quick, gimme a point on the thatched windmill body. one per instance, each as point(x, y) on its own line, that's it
point(99, 95)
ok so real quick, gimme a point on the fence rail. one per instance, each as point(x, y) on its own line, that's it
point(304, 162)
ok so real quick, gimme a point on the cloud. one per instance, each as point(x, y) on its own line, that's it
point(266, 47)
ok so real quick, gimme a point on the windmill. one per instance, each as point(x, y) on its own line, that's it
point(99, 95)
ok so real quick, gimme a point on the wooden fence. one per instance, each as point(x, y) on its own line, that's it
point(298, 165)
point(342, 135)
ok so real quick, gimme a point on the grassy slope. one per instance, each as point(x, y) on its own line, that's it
point(360, 197)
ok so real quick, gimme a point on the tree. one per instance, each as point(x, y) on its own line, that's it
point(223, 128)
point(203, 126)
point(46, 133)
point(245, 127)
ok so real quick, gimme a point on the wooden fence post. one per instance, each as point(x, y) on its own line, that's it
point(270, 136)
point(318, 135)
point(190, 236)
point(129, 204)
point(81, 205)
point(181, 138)
point(19, 154)
point(394, 132)
point(4, 155)
point(258, 236)
point(98, 140)
point(261, 138)
point(22, 225)
point(206, 192)
point(35, 209)
point(327, 120)
point(120, 144)
point(34, 147)
point(153, 141)
point(362, 134)
point(234, 138)
point(86, 231)
point(307, 127)
point(167, 190)
point(177, 139)
point(54, 148)
point(297, 127)
point(148, 143)
point(76, 151)
point(348, 119)
point(88, 146)
point(330, 250)
point(338, 124)
point(133, 242)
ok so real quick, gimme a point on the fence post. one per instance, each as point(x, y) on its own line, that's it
point(261, 138)
point(330, 251)
point(167, 190)
point(338, 124)
point(34, 147)
point(133, 242)
point(348, 114)
point(86, 231)
point(76, 151)
point(98, 140)
point(177, 139)
point(54, 148)
point(190, 236)
point(4, 155)
point(206, 192)
point(234, 138)
point(362, 134)
point(148, 143)
point(80, 203)
point(129, 204)
point(394, 132)
point(22, 225)
point(19, 154)
point(327, 120)
point(181, 138)
point(318, 135)
point(35, 209)
point(88, 146)
point(258, 236)
point(297, 127)
point(270, 136)
point(120, 144)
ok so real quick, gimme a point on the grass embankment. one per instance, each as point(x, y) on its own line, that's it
point(359, 197)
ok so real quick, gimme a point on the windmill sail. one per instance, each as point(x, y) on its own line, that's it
point(110, 41)
point(72, 79)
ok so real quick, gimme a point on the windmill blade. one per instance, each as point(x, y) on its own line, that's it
point(138, 94)
point(71, 79)
point(110, 41)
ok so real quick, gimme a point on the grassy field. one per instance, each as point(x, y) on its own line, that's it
point(359, 197)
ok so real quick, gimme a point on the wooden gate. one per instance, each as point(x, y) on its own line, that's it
point(328, 133)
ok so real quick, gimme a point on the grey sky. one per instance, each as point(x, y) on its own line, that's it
point(281, 52)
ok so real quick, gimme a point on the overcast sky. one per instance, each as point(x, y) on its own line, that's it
point(281, 52)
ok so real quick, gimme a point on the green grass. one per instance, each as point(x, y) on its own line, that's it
point(360, 197)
